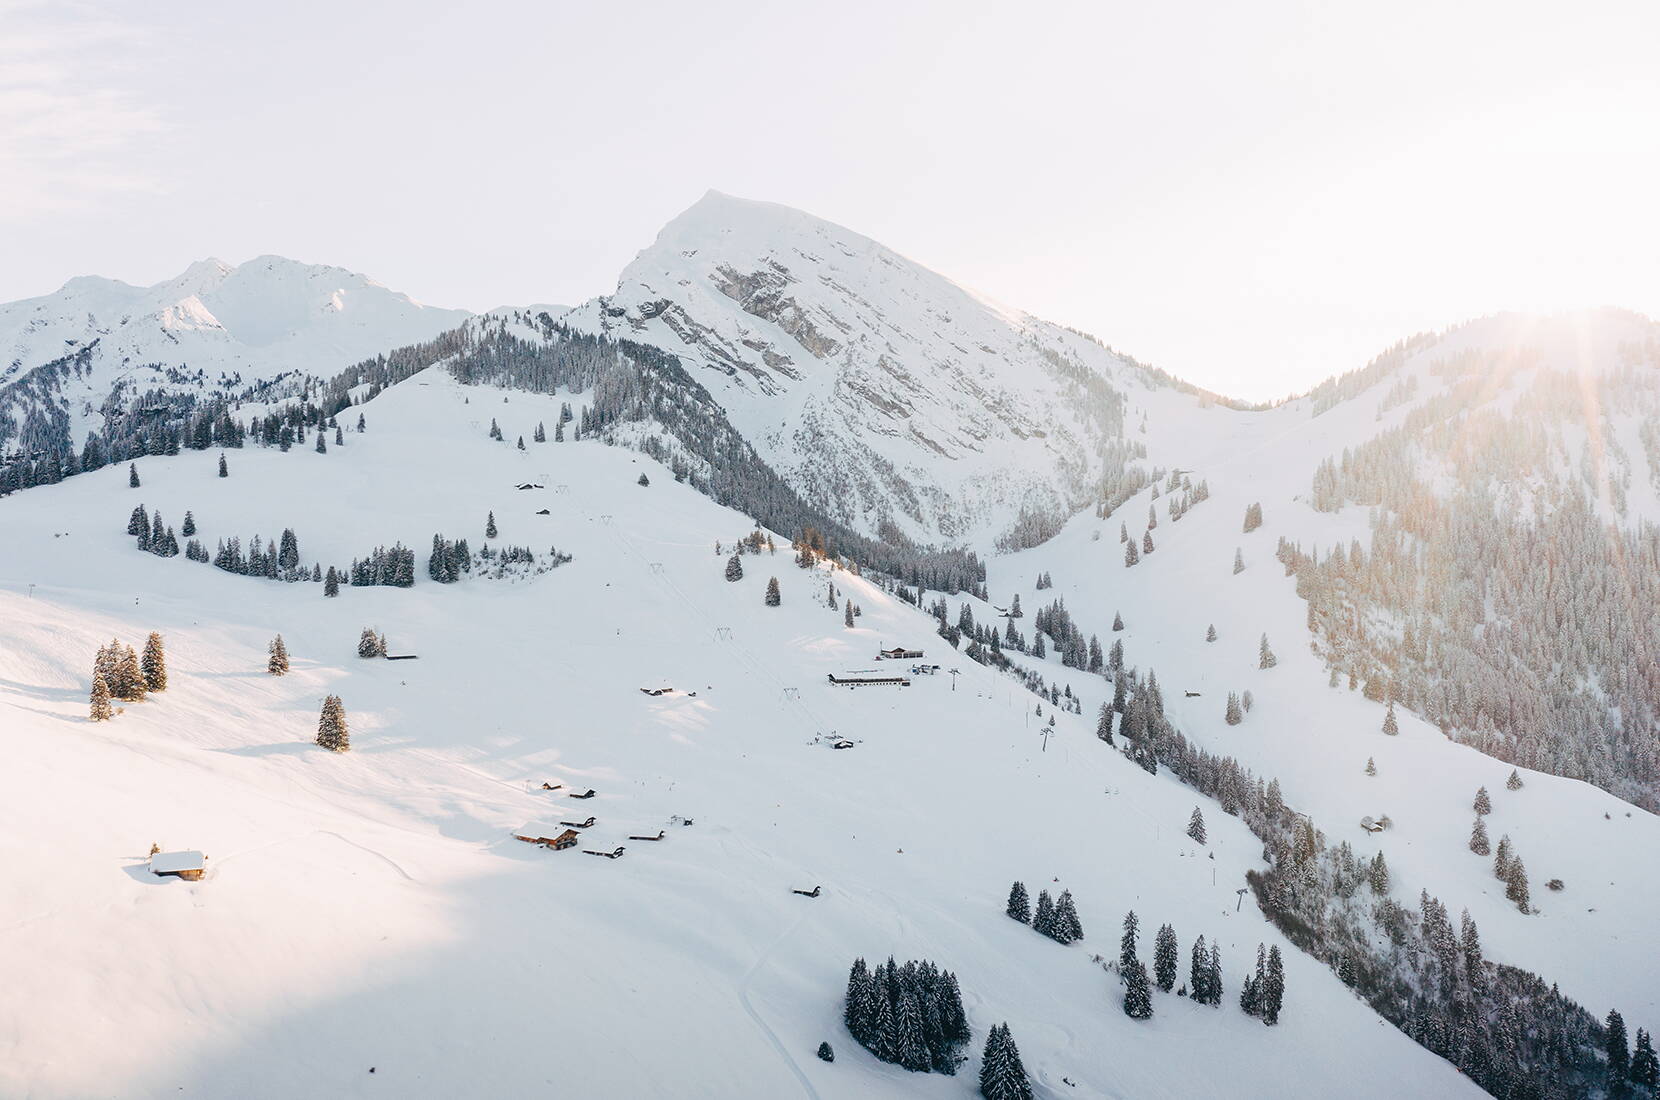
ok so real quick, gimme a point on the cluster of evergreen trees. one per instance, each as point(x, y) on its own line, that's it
point(449, 560)
point(118, 672)
point(153, 535)
point(394, 567)
point(1057, 919)
point(909, 1015)
point(1263, 994)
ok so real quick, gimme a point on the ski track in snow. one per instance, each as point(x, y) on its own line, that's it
point(772, 1036)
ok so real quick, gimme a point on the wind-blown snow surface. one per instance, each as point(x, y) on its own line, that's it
point(371, 909)
point(214, 324)
point(883, 392)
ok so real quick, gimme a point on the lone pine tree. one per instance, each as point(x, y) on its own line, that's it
point(331, 583)
point(332, 733)
point(1138, 997)
point(368, 643)
point(1127, 942)
point(224, 470)
point(1390, 726)
point(1196, 826)
point(773, 598)
point(490, 526)
point(277, 665)
point(132, 475)
point(1478, 838)
point(734, 568)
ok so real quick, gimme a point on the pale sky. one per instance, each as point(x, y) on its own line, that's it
point(1252, 196)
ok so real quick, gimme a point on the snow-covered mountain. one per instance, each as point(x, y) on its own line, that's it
point(888, 396)
point(1455, 548)
point(213, 329)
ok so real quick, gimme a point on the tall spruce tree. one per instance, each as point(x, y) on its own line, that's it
point(132, 475)
point(1273, 987)
point(1138, 997)
point(1002, 1074)
point(1619, 1052)
point(1196, 826)
point(1645, 1066)
point(773, 597)
point(1166, 958)
point(368, 643)
point(1018, 906)
point(224, 470)
point(1483, 804)
point(332, 733)
point(154, 664)
point(734, 568)
point(1478, 838)
point(1127, 942)
point(101, 709)
point(1066, 927)
point(1044, 917)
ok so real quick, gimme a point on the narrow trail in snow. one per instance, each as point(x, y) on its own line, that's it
point(772, 1037)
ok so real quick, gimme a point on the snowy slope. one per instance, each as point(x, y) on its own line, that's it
point(1597, 938)
point(214, 325)
point(370, 910)
point(883, 392)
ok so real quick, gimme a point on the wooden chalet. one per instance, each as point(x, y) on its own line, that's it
point(898, 654)
point(548, 836)
point(186, 865)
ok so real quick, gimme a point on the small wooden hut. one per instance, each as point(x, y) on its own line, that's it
point(186, 865)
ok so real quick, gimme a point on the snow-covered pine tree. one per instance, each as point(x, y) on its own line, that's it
point(332, 733)
point(1117, 625)
point(331, 582)
point(1166, 958)
point(1018, 907)
point(1002, 1075)
point(1138, 998)
point(1196, 826)
point(1502, 858)
point(1131, 554)
point(129, 677)
point(495, 429)
point(224, 469)
point(1253, 517)
point(1210, 633)
point(1198, 973)
point(1515, 885)
point(1371, 767)
point(825, 1053)
point(1103, 723)
point(322, 447)
point(277, 664)
point(1044, 916)
point(1265, 655)
point(1391, 727)
point(773, 597)
point(1247, 700)
point(1483, 804)
point(101, 709)
point(1066, 927)
point(189, 527)
point(1127, 942)
point(734, 568)
point(1232, 715)
point(339, 436)
point(1514, 783)
point(368, 643)
point(1238, 560)
point(139, 524)
point(490, 525)
point(1645, 1066)
point(540, 435)
point(1273, 987)
point(1619, 1054)
point(154, 663)
point(521, 446)
point(847, 615)
point(132, 475)
point(1147, 542)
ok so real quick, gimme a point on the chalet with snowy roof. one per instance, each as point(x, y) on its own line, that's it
point(899, 654)
point(186, 865)
point(548, 836)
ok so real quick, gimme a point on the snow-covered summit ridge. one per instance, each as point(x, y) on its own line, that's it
point(889, 396)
